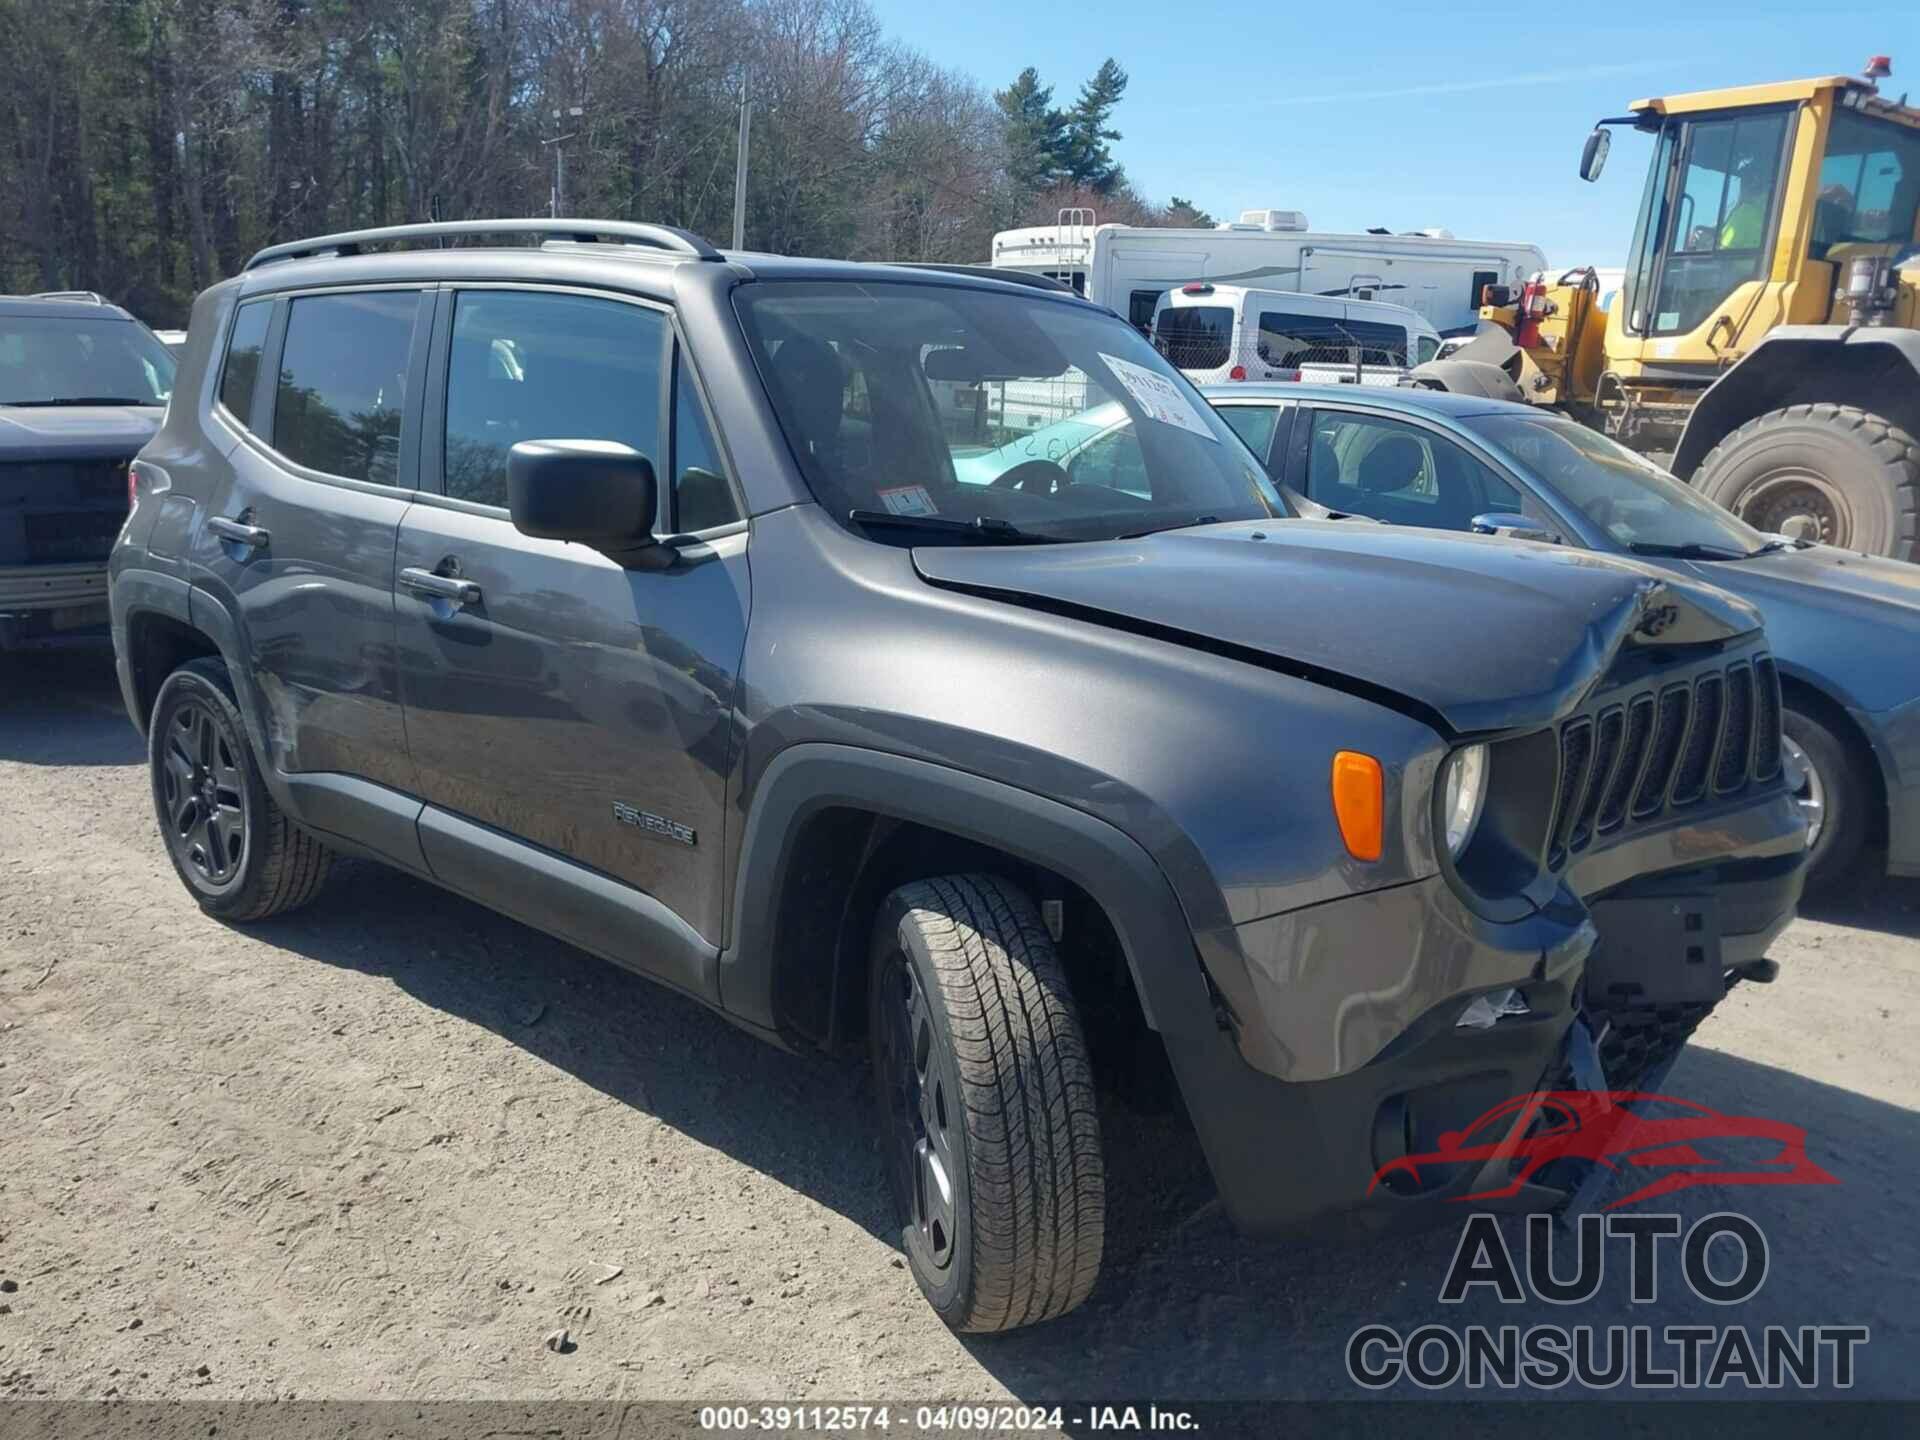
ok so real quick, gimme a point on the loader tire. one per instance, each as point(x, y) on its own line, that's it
point(1832, 473)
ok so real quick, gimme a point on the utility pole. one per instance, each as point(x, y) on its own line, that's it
point(557, 201)
point(740, 170)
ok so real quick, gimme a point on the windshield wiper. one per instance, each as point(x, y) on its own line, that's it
point(986, 529)
point(1692, 550)
point(81, 400)
point(1780, 542)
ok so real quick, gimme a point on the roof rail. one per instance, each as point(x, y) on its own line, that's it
point(87, 297)
point(992, 272)
point(349, 242)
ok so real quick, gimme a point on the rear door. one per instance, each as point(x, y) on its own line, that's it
point(575, 706)
point(296, 538)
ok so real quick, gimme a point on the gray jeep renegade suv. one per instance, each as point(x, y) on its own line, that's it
point(911, 658)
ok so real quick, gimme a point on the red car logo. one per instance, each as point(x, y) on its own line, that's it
point(1618, 1129)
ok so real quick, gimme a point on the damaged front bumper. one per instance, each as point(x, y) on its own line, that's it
point(1300, 1100)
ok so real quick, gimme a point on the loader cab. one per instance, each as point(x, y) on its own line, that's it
point(1709, 208)
point(1748, 193)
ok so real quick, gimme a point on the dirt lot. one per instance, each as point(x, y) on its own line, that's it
point(382, 1148)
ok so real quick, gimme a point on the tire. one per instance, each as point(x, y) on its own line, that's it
point(1849, 477)
point(1840, 784)
point(981, 1074)
point(236, 851)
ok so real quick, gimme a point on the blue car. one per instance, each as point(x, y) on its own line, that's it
point(1845, 627)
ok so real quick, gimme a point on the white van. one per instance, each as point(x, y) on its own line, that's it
point(1231, 332)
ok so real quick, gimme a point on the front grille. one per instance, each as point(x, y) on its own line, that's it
point(1736, 735)
point(71, 535)
point(1670, 727)
point(1633, 754)
point(1766, 720)
point(1662, 751)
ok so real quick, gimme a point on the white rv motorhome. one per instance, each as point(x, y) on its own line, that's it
point(1128, 268)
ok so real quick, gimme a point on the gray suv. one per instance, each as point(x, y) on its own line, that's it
point(911, 660)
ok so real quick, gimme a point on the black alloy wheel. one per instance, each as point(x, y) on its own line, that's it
point(203, 792)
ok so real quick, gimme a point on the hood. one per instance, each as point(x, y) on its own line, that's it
point(1471, 633)
point(1823, 575)
point(1847, 621)
point(63, 432)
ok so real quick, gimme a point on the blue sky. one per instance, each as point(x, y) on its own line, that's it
point(1404, 115)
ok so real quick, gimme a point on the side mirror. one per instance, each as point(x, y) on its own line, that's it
point(596, 492)
point(1593, 157)
point(1513, 527)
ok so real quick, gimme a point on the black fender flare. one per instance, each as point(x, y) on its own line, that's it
point(1109, 865)
point(1775, 374)
point(216, 622)
point(133, 595)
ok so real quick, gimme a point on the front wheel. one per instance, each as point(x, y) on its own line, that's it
point(987, 1117)
point(1832, 473)
point(1832, 793)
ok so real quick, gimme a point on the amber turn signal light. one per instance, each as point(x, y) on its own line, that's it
point(1360, 803)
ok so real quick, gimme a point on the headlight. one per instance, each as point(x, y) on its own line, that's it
point(1463, 792)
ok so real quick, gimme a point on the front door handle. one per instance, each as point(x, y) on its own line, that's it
point(440, 587)
point(238, 531)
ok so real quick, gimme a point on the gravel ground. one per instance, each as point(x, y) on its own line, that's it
point(382, 1148)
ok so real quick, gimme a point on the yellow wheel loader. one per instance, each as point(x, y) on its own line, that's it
point(1765, 341)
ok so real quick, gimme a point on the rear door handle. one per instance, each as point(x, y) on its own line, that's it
point(239, 532)
point(440, 587)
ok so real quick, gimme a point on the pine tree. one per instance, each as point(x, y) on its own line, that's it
point(1088, 160)
point(1036, 132)
point(1185, 215)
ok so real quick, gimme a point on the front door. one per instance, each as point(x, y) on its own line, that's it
point(565, 701)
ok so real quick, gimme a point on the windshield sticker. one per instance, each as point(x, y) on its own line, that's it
point(908, 500)
point(1157, 396)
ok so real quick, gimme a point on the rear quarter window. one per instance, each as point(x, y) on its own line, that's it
point(242, 366)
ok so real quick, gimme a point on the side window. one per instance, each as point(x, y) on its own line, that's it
point(1425, 348)
point(1253, 424)
point(242, 366)
point(1288, 341)
point(1140, 309)
point(1113, 460)
point(342, 387)
point(1481, 279)
point(528, 366)
point(1869, 184)
point(1399, 473)
point(701, 497)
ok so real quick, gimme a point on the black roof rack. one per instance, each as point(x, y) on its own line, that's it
point(992, 272)
point(350, 242)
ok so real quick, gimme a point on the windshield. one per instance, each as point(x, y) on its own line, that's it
point(1625, 495)
point(56, 360)
point(924, 403)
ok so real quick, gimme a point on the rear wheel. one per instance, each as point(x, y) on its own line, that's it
point(234, 849)
point(987, 1115)
point(1831, 473)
